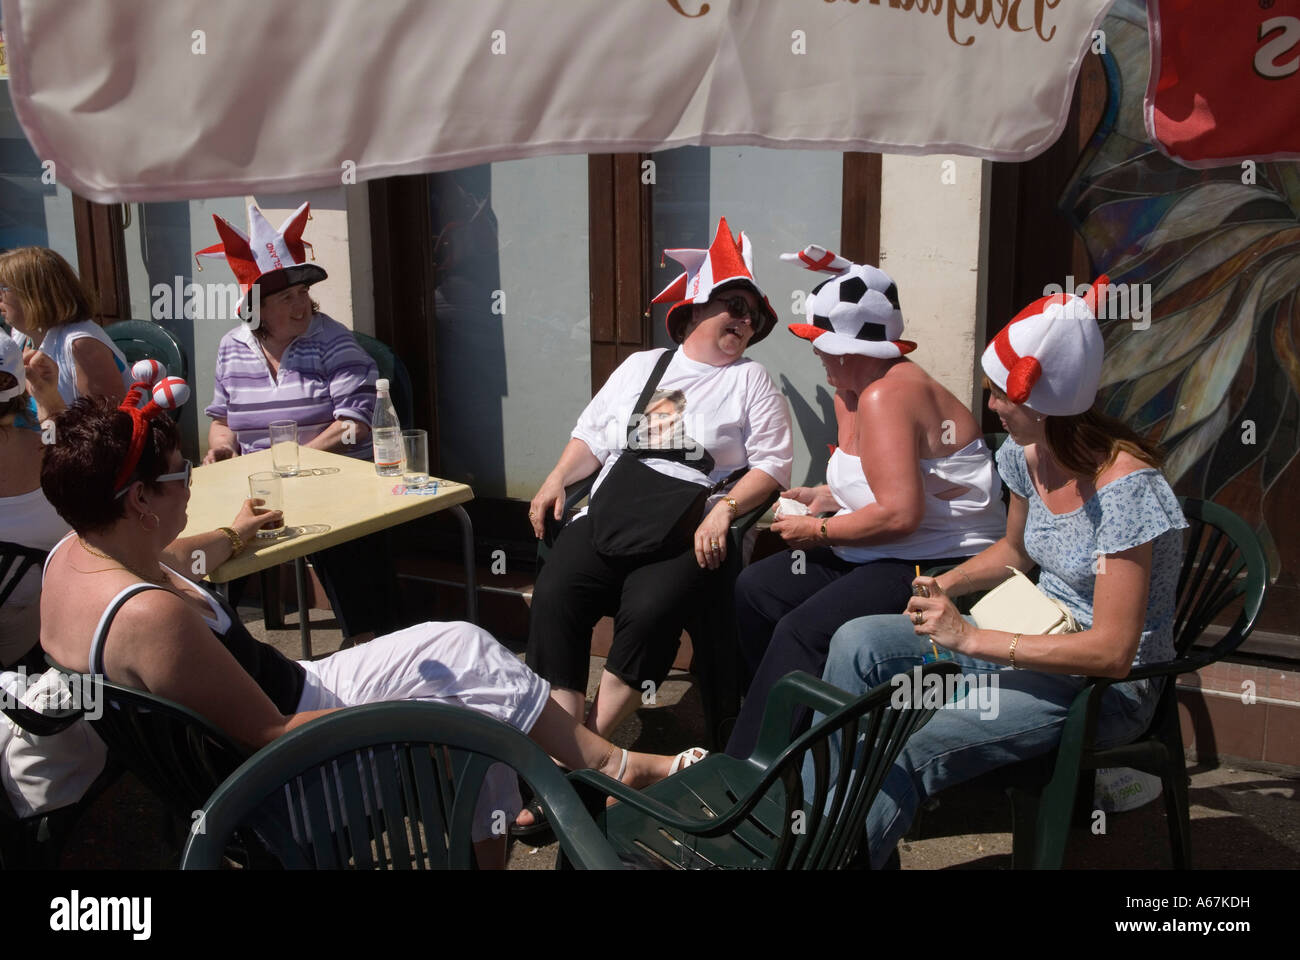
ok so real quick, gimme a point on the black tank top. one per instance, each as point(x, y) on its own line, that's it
point(280, 678)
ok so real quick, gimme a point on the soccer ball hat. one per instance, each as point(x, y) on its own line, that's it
point(854, 310)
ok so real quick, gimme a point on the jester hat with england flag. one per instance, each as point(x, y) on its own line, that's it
point(272, 259)
point(725, 265)
point(1049, 356)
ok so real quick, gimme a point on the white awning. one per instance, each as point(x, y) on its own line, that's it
point(138, 100)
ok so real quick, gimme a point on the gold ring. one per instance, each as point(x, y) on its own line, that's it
point(531, 515)
point(918, 618)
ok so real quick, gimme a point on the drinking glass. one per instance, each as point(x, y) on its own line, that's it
point(266, 487)
point(284, 447)
point(415, 444)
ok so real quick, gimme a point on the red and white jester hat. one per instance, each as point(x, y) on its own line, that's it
point(272, 259)
point(1049, 355)
point(726, 264)
point(854, 310)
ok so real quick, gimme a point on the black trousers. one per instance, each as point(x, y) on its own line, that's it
point(650, 600)
point(787, 612)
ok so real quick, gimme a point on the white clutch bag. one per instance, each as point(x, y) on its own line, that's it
point(1016, 605)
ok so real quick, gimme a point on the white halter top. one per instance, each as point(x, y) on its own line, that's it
point(963, 505)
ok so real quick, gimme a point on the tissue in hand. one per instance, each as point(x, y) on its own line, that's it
point(791, 508)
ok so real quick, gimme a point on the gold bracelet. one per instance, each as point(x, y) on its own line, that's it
point(236, 542)
point(1012, 652)
point(824, 534)
point(735, 507)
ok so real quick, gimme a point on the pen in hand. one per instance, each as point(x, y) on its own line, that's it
point(920, 591)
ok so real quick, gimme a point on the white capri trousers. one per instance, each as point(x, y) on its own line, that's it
point(456, 663)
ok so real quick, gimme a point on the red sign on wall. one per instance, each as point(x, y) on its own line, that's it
point(1225, 80)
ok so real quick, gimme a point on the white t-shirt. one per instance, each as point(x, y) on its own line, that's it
point(57, 345)
point(734, 412)
point(29, 520)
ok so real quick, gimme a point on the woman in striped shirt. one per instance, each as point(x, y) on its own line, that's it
point(300, 365)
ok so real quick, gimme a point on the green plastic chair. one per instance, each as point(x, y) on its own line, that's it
point(753, 814)
point(391, 367)
point(715, 661)
point(310, 796)
point(175, 752)
point(1224, 562)
point(146, 340)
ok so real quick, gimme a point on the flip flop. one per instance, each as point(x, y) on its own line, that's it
point(686, 758)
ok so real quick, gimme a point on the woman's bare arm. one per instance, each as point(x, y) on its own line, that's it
point(97, 373)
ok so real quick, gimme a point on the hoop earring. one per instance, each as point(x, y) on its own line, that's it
point(156, 521)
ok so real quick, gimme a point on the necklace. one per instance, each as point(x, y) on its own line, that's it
point(160, 581)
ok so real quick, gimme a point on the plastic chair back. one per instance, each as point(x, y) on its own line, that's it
point(866, 736)
point(15, 562)
point(174, 751)
point(146, 340)
point(391, 368)
point(1223, 560)
point(386, 786)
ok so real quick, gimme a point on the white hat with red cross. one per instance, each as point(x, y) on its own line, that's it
point(1049, 356)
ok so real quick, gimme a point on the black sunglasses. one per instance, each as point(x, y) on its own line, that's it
point(739, 308)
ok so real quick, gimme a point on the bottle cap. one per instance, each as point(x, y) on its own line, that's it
point(381, 384)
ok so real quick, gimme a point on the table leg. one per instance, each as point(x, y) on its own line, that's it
point(467, 548)
point(304, 611)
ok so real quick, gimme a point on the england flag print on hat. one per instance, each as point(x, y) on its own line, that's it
point(726, 264)
point(854, 310)
point(1049, 356)
point(272, 259)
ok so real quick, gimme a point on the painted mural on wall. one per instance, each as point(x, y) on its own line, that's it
point(1212, 370)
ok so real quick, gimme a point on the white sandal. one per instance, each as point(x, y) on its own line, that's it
point(686, 758)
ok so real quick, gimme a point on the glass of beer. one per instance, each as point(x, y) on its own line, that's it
point(266, 487)
point(284, 447)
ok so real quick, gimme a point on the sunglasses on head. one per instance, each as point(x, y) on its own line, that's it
point(183, 474)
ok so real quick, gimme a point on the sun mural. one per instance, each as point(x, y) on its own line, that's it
point(1215, 377)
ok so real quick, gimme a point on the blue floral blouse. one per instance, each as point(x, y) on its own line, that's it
point(1125, 513)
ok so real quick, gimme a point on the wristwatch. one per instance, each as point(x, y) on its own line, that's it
point(824, 535)
point(731, 502)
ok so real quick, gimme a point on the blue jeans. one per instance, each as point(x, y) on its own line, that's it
point(974, 734)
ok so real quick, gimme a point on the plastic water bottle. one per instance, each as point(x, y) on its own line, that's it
point(386, 433)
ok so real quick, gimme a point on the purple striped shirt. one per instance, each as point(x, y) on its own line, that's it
point(324, 376)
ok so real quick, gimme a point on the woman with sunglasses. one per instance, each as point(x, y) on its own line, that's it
point(910, 483)
point(721, 416)
point(118, 603)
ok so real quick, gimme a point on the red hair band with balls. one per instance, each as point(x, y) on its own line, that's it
point(164, 393)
